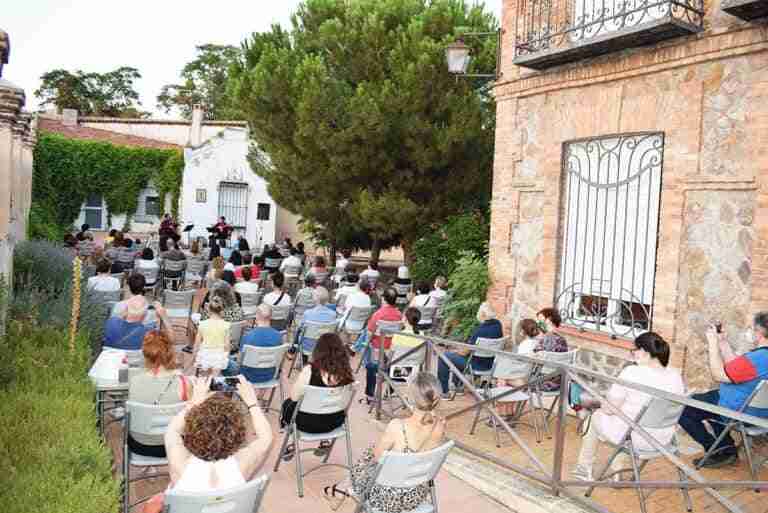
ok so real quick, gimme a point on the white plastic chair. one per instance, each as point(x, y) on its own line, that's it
point(657, 414)
point(408, 470)
point(178, 304)
point(253, 357)
point(245, 498)
point(144, 419)
point(151, 275)
point(318, 401)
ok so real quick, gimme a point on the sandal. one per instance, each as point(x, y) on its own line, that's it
point(289, 452)
point(323, 448)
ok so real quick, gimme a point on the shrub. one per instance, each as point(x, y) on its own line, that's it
point(469, 285)
point(52, 459)
point(437, 253)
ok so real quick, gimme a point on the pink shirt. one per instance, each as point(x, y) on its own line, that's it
point(385, 313)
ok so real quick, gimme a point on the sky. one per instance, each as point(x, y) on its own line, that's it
point(157, 37)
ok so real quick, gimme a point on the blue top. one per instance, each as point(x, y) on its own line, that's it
point(488, 329)
point(319, 313)
point(745, 373)
point(260, 337)
point(121, 334)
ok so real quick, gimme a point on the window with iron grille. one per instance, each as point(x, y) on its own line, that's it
point(233, 203)
point(611, 203)
point(262, 214)
point(152, 206)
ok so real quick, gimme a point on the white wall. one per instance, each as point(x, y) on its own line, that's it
point(174, 132)
point(223, 159)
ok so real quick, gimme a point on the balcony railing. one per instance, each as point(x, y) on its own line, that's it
point(553, 32)
point(746, 9)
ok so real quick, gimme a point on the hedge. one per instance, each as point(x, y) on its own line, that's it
point(52, 459)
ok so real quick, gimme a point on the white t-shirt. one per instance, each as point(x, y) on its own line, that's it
point(271, 298)
point(146, 264)
point(370, 274)
point(612, 428)
point(527, 346)
point(341, 263)
point(247, 287)
point(423, 300)
point(101, 283)
point(358, 299)
point(346, 291)
point(291, 261)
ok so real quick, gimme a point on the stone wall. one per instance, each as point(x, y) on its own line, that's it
point(707, 93)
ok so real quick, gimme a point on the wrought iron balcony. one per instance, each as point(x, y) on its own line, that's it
point(746, 9)
point(554, 32)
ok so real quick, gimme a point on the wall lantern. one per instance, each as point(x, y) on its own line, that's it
point(458, 55)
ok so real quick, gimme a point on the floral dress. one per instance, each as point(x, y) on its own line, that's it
point(387, 499)
point(552, 343)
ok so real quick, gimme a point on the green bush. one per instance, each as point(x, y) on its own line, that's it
point(52, 459)
point(437, 253)
point(469, 285)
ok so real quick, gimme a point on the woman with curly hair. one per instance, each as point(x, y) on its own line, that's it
point(206, 441)
point(329, 368)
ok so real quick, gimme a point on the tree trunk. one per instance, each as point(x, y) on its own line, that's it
point(375, 251)
point(408, 255)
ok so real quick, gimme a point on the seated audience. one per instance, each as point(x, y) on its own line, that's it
point(291, 264)
point(207, 444)
point(388, 312)
point(212, 343)
point(110, 237)
point(246, 286)
point(351, 280)
point(247, 261)
point(147, 261)
point(215, 272)
point(320, 313)
point(530, 331)
point(215, 252)
point(263, 335)
point(194, 251)
point(411, 325)
point(300, 253)
point(232, 312)
point(489, 327)
point(136, 287)
point(651, 354)
point(278, 296)
point(371, 273)
point(305, 295)
point(329, 368)
point(738, 376)
point(86, 246)
point(81, 234)
point(423, 299)
point(550, 341)
point(440, 291)
point(175, 254)
point(127, 330)
point(360, 298)
point(103, 281)
point(422, 431)
point(158, 383)
point(242, 245)
point(272, 258)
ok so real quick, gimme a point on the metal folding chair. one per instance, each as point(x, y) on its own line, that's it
point(236, 334)
point(318, 401)
point(310, 331)
point(280, 318)
point(174, 266)
point(144, 419)
point(566, 358)
point(408, 470)
point(354, 321)
point(657, 414)
point(151, 275)
point(384, 329)
point(179, 306)
point(245, 498)
point(195, 271)
point(253, 357)
point(249, 303)
point(484, 346)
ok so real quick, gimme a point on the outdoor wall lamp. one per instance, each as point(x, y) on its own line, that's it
point(458, 56)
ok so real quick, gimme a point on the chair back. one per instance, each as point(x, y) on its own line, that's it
point(150, 274)
point(272, 263)
point(178, 300)
point(121, 277)
point(149, 419)
point(292, 270)
point(236, 332)
point(483, 344)
point(660, 413)
point(411, 469)
point(439, 304)
point(126, 256)
point(427, 314)
point(280, 312)
point(264, 357)
point(195, 267)
point(388, 328)
point(760, 396)
point(567, 358)
point(174, 265)
point(314, 330)
point(326, 400)
point(359, 313)
point(112, 296)
point(320, 278)
point(249, 302)
point(506, 367)
point(245, 498)
point(415, 359)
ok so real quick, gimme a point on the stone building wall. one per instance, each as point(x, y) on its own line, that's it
point(708, 94)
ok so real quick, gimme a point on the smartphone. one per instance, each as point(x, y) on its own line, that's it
point(227, 385)
point(718, 326)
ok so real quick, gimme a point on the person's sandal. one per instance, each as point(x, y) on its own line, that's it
point(290, 452)
point(323, 448)
point(188, 349)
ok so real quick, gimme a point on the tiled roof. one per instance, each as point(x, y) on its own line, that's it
point(95, 134)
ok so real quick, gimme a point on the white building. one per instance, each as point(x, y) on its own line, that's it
point(217, 178)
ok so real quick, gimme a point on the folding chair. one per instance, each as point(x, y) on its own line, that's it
point(400, 371)
point(507, 368)
point(757, 399)
point(311, 331)
point(426, 323)
point(384, 329)
point(321, 279)
point(408, 470)
point(245, 498)
point(144, 419)
point(565, 358)
point(403, 291)
point(292, 271)
point(353, 322)
point(106, 299)
point(174, 266)
point(302, 304)
point(249, 303)
point(272, 263)
point(657, 414)
point(150, 278)
point(179, 306)
point(484, 346)
point(280, 318)
point(235, 334)
point(318, 401)
point(253, 357)
point(195, 271)
point(121, 277)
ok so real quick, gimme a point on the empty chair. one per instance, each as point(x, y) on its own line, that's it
point(147, 420)
point(318, 401)
point(658, 414)
point(245, 498)
point(178, 304)
point(408, 470)
point(195, 271)
point(254, 357)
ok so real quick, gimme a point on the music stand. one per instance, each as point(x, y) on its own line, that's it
point(186, 230)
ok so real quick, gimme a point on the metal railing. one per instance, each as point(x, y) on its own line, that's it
point(552, 476)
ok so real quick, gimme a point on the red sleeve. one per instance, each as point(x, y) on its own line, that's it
point(740, 370)
point(373, 320)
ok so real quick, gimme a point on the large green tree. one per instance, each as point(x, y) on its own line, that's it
point(111, 94)
point(364, 127)
point(203, 81)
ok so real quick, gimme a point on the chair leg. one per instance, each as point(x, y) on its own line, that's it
point(474, 422)
point(348, 438)
point(603, 469)
point(329, 451)
point(712, 449)
point(747, 442)
point(282, 450)
point(636, 473)
point(496, 431)
point(266, 406)
point(297, 457)
point(686, 494)
point(126, 482)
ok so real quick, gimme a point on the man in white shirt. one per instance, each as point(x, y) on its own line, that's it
point(291, 265)
point(103, 281)
point(278, 297)
point(371, 274)
point(348, 289)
